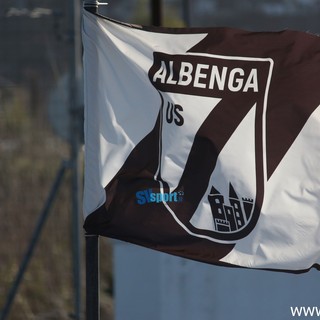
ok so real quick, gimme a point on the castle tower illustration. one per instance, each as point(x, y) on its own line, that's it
point(232, 216)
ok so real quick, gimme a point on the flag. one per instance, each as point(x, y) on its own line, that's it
point(204, 142)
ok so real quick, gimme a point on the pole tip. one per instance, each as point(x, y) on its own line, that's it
point(91, 5)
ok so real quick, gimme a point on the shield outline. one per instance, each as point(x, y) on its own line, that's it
point(212, 235)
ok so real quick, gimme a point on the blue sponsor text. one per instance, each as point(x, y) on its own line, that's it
point(148, 196)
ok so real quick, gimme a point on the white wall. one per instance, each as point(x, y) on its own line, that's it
point(156, 286)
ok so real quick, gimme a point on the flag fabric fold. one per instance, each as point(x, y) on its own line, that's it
point(204, 142)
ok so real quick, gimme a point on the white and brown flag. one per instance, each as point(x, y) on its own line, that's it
point(204, 142)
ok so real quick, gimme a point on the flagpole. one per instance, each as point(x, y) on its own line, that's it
point(92, 241)
point(76, 125)
point(92, 277)
point(91, 5)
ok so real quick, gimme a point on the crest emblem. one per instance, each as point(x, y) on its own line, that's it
point(213, 111)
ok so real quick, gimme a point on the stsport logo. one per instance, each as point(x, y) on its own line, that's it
point(212, 141)
point(148, 196)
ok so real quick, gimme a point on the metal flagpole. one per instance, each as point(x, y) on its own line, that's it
point(92, 242)
point(92, 277)
point(76, 128)
point(91, 5)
